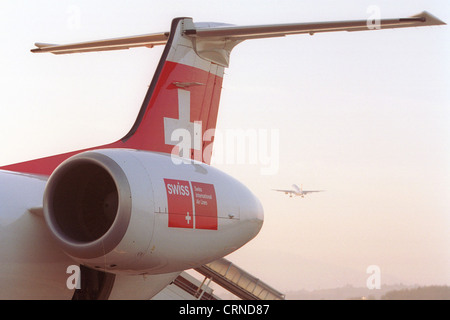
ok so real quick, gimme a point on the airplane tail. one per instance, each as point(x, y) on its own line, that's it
point(179, 112)
point(296, 188)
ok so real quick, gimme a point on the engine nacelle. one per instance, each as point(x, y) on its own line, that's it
point(138, 212)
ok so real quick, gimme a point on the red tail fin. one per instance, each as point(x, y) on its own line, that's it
point(181, 104)
point(182, 101)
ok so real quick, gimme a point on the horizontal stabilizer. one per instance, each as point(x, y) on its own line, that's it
point(280, 30)
point(148, 40)
point(235, 34)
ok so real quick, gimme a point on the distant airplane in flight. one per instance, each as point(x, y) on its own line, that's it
point(297, 191)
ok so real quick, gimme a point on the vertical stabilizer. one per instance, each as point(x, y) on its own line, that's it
point(179, 112)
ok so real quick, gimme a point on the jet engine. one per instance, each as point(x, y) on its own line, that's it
point(136, 212)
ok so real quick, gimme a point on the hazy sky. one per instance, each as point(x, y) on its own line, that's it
point(364, 116)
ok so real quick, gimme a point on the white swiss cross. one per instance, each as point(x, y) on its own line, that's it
point(188, 218)
point(182, 132)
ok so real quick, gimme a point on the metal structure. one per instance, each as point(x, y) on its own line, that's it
point(238, 281)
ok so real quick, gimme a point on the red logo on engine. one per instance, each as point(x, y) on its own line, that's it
point(179, 202)
point(191, 204)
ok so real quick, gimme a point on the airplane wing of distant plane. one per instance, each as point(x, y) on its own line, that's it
point(289, 192)
point(311, 191)
point(285, 191)
point(135, 213)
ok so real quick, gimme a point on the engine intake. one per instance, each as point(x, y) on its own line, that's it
point(85, 205)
